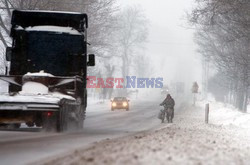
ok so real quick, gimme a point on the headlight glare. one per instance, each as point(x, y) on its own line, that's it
point(124, 104)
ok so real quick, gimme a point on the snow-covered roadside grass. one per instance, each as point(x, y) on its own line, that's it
point(189, 140)
point(171, 145)
point(227, 115)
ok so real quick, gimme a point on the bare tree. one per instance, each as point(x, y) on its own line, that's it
point(132, 34)
point(112, 32)
point(223, 35)
point(6, 7)
point(101, 15)
point(102, 21)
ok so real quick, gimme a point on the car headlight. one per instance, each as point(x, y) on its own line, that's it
point(114, 104)
point(125, 104)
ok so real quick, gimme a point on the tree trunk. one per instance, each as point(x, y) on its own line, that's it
point(125, 70)
point(245, 102)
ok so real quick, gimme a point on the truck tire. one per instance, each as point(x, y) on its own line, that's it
point(62, 118)
point(39, 123)
point(30, 124)
point(71, 116)
point(82, 118)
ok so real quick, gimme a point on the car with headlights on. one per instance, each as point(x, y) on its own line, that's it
point(119, 103)
point(164, 90)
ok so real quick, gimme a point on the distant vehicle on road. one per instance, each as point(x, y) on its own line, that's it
point(119, 103)
point(164, 90)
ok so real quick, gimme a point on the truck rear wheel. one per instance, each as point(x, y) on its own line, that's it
point(71, 116)
point(62, 120)
point(81, 118)
point(30, 124)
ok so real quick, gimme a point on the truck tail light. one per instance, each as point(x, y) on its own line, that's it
point(49, 114)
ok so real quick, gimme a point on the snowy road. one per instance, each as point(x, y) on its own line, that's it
point(27, 147)
point(139, 138)
point(188, 141)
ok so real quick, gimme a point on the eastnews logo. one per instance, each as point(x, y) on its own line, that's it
point(131, 82)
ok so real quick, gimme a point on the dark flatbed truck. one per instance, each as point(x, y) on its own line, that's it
point(48, 71)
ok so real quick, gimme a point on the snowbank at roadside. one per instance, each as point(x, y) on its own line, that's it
point(225, 114)
point(225, 140)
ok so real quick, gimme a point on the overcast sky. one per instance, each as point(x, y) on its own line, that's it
point(170, 42)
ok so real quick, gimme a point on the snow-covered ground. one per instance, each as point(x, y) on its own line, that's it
point(226, 115)
point(137, 137)
point(27, 146)
point(225, 140)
